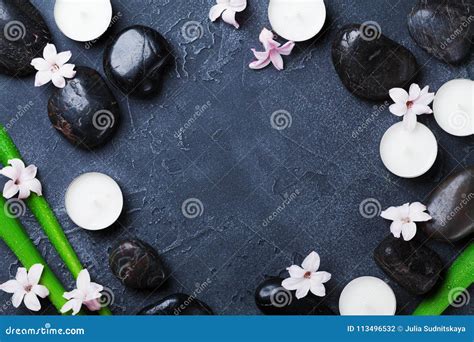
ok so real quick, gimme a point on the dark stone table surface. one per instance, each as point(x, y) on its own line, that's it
point(232, 160)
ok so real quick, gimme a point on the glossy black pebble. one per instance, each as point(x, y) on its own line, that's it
point(370, 66)
point(137, 265)
point(451, 205)
point(85, 111)
point(444, 28)
point(135, 60)
point(23, 35)
point(272, 299)
point(412, 265)
point(178, 304)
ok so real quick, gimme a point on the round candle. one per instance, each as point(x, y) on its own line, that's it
point(94, 201)
point(297, 20)
point(83, 20)
point(408, 154)
point(453, 107)
point(366, 296)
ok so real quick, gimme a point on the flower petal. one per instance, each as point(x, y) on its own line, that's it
point(408, 231)
point(398, 95)
point(414, 92)
point(409, 121)
point(34, 274)
point(425, 97)
point(317, 288)
point(399, 109)
point(311, 262)
point(238, 5)
point(22, 276)
point(17, 297)
point(35, 186)
point(58, 80)
point(63, 57)
point(67, 70)
point(40, 64)
point(42, 78)
point(229, 17)
point(321, 276)
point(73, 294)
point(32, 302)
point(216, 12)
point(292, 283)
point(11, 286)
point(83, 280)
point(17, 164)
point(24, 191)
point(10, 172)
point(28, 173)
point(93, 305)
point(296, 271)
point(276, 59)
point(40, 290)
point(70, 305)
point(49, 53)
point(392, 213)
point(260, 64)
point(419, 109)
point(286, 48)
point(303, 290)
point(10, 189)
point(396, 228)
point(418, 214)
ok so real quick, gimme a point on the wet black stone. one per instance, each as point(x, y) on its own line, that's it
point(135, 60)
point(451, 205)
point(137, 265)
point(272, 299)
point(413, 266)
point(369, 66)
point(85, 111)
point(23, 35)
point(444, 28)
point(178, 304)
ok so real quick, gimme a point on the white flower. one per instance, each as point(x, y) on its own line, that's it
point(404, 218)
point(306, 279)
point(86, 293)
point(411, 104)
point(53, 67)
point(227, 9)
point(25, 287)
point(23, 180)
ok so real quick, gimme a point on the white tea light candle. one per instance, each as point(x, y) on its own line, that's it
point(367, 296)
point(83, 20)
point(94, 201)
point(453, 107)
point(297, 20)
point(408, 154)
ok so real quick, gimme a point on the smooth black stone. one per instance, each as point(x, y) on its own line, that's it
point(272, 299)
point(178, 304)
point(451, 205)
point(444, 28)
point(23, 35)
point(413, 266)
point(135, 60)
point(85, 111)
point(369, 68)
point(137, 265)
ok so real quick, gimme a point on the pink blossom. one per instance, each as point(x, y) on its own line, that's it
point(273, 51)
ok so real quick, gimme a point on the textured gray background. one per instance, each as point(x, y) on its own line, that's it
point(232, 160)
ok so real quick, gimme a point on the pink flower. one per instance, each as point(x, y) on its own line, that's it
point(404, 218)
point(227, 9)
point(53, 67)
point(23, 180)
point(272, 53)
point(411, 104)
point(87, 293)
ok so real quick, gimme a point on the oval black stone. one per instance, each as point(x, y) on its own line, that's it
point(135, 59)
point(137, 265)
point(85, 111)
point(412, 265)
point(178, 304)
point(451, 206)
point(370, 66)
point(443, 28)
point(272, 299)
point(23, 35)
